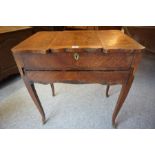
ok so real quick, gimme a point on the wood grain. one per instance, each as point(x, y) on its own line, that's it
point(37, 43)
point(46, 77)
point(105, 57)
point(115, 39)
point(5, 29)
point(87, 61)
point(106, 39)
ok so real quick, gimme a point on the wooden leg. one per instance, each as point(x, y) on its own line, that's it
point(53, 92)
point(107, 90)
point(123, 94)
point(31, 89)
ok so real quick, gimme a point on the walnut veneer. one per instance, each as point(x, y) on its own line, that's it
point(95, 56)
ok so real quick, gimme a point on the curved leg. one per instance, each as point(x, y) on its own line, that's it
point(123, 94)
point(31, 89)
point(107, 90)
point(53, 92)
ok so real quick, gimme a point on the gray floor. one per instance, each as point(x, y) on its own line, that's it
point(81, 106)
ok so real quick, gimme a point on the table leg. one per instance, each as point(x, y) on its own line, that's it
point(53, 92)
point(107, 90)
point(123, 94)
point(32, 91)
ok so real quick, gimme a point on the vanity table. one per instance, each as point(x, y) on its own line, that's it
point(93, 56)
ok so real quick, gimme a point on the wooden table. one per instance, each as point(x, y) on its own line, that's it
point(105, 57)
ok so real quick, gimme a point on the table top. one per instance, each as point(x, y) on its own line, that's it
point(6, 29)
point(106, 39)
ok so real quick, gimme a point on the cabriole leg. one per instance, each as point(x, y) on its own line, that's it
point(32, 91)
point(123, 94)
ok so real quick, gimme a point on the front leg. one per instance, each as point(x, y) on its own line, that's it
point(123, 94)
point(32, 91)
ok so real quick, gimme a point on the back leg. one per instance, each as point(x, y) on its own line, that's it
point(53, 92)
point(107, 90)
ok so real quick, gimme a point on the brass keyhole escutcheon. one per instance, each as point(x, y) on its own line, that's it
point(76, 56)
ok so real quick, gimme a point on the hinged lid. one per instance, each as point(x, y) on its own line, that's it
point(108, 40)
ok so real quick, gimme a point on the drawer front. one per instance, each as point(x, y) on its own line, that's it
point(112, 77)
point(78, 61)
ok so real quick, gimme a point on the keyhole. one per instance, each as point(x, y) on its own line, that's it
point(76, 56)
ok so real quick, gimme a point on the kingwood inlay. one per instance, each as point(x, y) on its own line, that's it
point(105, 57)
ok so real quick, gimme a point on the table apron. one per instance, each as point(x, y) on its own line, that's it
point(110, 77)
point(85, 61)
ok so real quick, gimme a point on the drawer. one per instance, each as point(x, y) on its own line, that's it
point(45, 77)
point(77, 61)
